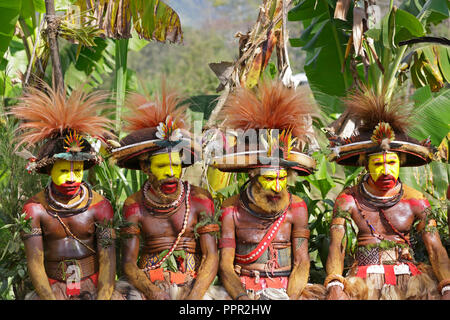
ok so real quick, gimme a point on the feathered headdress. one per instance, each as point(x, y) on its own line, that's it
point(62, 124)
point(377, 127)
point(271, 106)
point(156, 126)
point(280, 117)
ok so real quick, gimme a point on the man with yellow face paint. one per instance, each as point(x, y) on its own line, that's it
point(70, 248)
point(67, 176)
point(384, 169)
point(264, 240)
point(384, 211)
point(176, 220)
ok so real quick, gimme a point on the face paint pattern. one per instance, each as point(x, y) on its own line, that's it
point(275, 180)
point(166, 165)
point(67, 176)
point(384, 169)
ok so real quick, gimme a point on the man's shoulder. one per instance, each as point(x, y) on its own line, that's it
point(411, 193)
point(346, 198)
point(202, 199)
point(132, 205)
point(200, 193)
point(231, 202)
point(133, 199)
point(35, 204)
point(99, 198)
point(297, 202)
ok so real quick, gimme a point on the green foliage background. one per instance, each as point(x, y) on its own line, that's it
point(317, 47)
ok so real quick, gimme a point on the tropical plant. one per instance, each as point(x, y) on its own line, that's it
point(350, 44)
point(16, 186)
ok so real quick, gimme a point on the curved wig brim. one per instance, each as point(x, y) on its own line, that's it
point(247, 160)
point(44, 165)
point(128, 156)
point(349, 154)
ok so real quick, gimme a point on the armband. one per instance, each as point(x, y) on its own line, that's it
point(444, 286)
point(208, 228)
point(335, 283)
point(227, 243)
point(338, 221)
point(105, 236)
point(334, 277)
point(301, 233)
point(131, 230)
point(35, 232)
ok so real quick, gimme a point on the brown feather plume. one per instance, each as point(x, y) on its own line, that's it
point(145, 112)
point(372, 109)
point(48, 113)
point(271, 106)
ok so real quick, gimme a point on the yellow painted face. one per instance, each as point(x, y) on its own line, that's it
point(64, 171)
point(166, 165)
point(275, 180)
point(384, 164)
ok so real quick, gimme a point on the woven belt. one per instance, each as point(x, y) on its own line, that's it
point(376, 255)
point(57, 270)
point(262, 274)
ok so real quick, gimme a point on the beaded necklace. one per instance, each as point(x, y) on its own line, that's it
point(56, 207)
point(183, 229)
point(159, 208)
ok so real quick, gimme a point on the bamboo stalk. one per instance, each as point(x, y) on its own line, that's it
point(121, 54)
point(52, 34)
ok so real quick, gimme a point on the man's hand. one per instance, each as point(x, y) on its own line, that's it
point(336, 293)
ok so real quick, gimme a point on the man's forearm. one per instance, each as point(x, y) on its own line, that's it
point(38, 275)
point(298, 280)
point(139, 279)
point(336, 253)
point(106, 276)
point(206, 274)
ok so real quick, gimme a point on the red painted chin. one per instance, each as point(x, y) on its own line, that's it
point(385, 182)
point(169, 187)
point(68, 189)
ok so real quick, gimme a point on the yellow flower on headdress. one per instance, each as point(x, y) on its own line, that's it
point(73, 142)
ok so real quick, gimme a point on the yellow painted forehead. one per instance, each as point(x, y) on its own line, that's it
point(65, 164)
point(274, 173)
point(174, 158)
point(380, 157)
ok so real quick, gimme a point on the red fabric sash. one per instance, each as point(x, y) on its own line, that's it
point(175, 277)
point(250, 283)
point(389, 274)
point(263, 245)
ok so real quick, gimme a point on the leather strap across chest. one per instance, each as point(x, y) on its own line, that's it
point(264, 243)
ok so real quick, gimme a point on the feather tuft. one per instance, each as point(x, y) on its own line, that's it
point(48, 113)
point(145, 112)
point(271, 106)
point(372, 110)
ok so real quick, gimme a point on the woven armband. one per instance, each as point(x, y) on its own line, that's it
point(132, 230)
point(338, 221)
point(301, 233)
point(208, 228)
point(227, 243)
point(35, 232)
point(105, 236)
